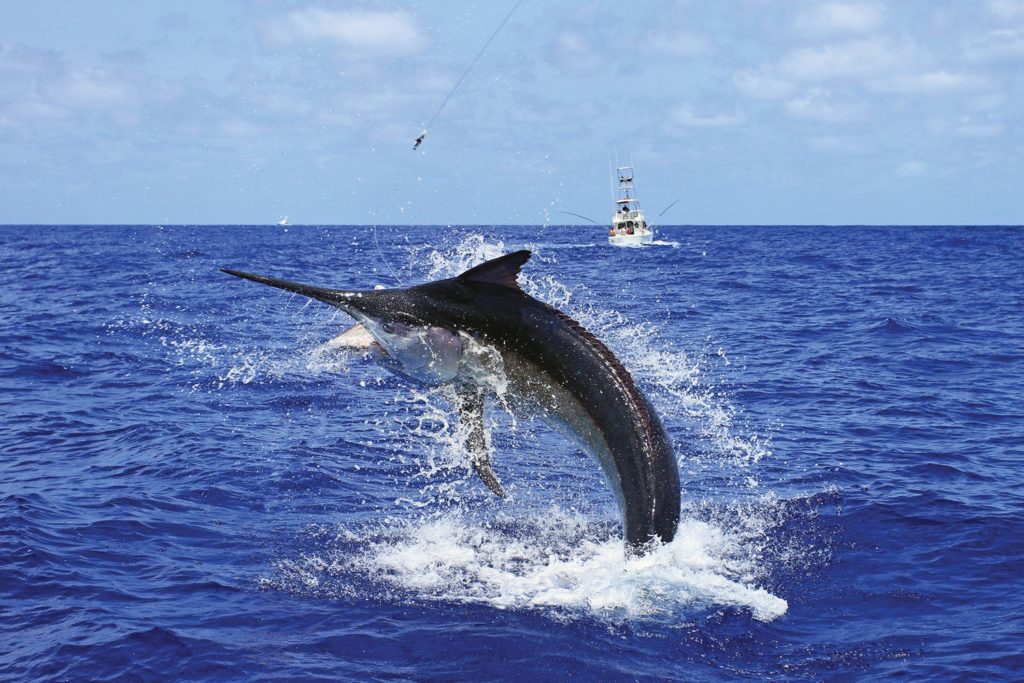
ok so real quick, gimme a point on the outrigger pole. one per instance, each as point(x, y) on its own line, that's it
point(570, 213)
point(423, 135)
point(668, 207)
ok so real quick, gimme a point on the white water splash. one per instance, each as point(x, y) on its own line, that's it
point(214, 366)
point(471, 251)
point(436, 443)
point(224, 368)
point(555, 566)
point(558, 563)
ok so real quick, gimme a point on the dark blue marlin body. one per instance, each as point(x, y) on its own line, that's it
point(445, 332)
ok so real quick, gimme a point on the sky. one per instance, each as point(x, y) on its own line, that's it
point(746, 111)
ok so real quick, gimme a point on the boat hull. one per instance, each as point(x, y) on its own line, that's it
point(634, 240)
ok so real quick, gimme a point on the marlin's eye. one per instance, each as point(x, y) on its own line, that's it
point(388, 327)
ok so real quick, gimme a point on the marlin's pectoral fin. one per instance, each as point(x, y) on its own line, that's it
point(428, 354)
point(470, 403)
point(443, 351)
point(355, 337)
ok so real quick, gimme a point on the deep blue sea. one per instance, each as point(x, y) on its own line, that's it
point(194, 487)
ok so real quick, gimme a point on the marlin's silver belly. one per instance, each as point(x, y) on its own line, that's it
point(531, 392)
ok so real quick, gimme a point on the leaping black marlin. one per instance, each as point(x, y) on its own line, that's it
point(435, 332)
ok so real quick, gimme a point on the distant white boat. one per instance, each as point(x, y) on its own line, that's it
point(283, 221)
point(629, 228)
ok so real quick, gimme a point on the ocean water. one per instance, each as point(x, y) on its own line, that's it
point(193, 487)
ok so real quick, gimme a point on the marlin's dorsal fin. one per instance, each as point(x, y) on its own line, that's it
point(500, 271)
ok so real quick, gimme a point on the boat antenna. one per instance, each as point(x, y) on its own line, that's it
point(423, 134)
point(611, 177)
point(570, 213)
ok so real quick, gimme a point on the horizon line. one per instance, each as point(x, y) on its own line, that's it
point(507, 225)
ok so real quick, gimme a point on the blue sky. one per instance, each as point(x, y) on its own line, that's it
point(750, 111)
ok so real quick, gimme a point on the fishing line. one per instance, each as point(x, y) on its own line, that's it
point(465, 73)
point(380, 252)
point(419, 140)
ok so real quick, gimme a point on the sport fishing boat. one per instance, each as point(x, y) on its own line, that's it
point(283, 221)
point(629, 228)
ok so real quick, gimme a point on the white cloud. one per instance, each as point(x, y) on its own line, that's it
point(237, 127)
point(996, 46)
point(969, 128)
point(29, 111)
point(987, 102)
point(912, 169)
point(38, 87)
point(931, 83)
point(762, 84)
point(682, 44)
point(91, 88)
point(972, 127)
point(1007, 10)
point(840, 17)
point(684, 115)
point(284, 102)
point(818, 104)
point(175, 20)
point(851, 59)
point(376, 33)
point(573, 53)
point(839, 144)
point(17, 61)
